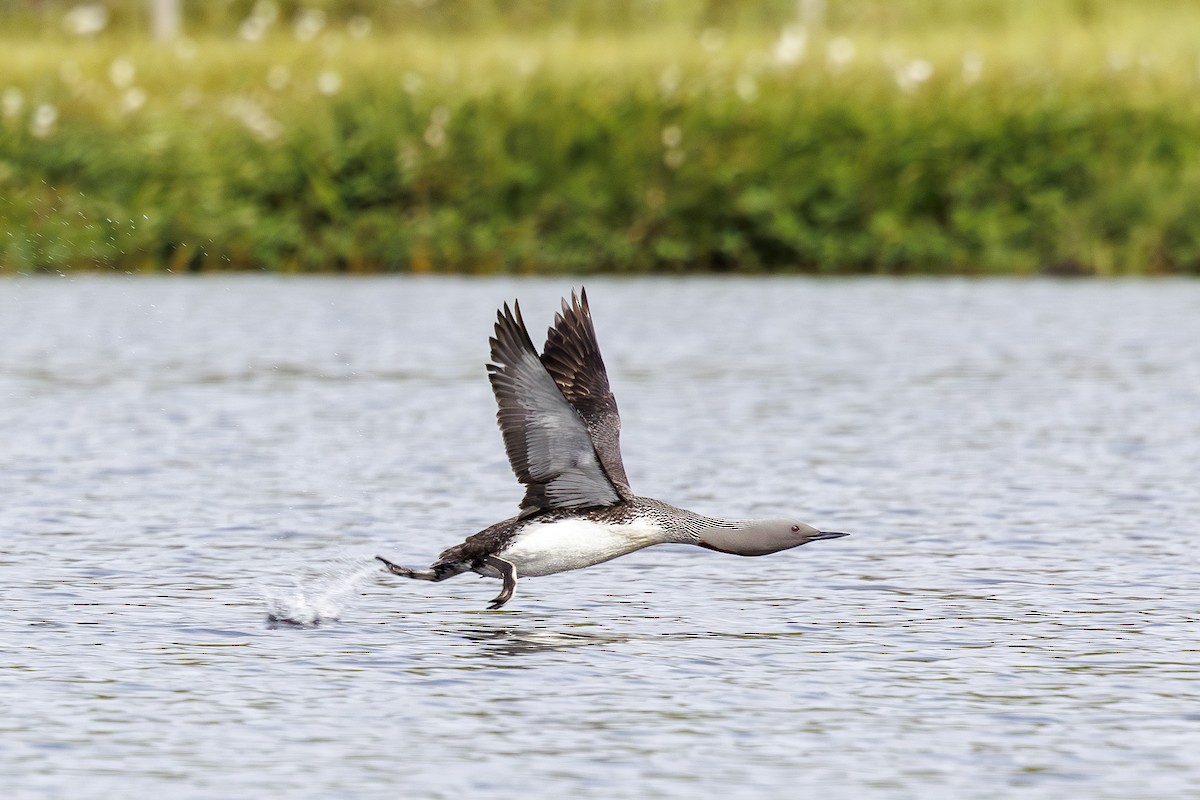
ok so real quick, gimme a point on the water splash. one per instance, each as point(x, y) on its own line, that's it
point(319, 596)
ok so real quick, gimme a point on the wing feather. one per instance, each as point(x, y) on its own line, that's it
point(572, 357)
point(548, 443)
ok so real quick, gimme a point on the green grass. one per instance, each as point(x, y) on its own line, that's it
point(1046, 137)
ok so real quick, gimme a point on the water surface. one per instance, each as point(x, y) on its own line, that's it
point(1016, 613)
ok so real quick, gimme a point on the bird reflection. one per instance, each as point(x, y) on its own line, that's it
point(531, 641)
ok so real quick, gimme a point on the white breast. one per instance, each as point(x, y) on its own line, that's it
point(545, 548)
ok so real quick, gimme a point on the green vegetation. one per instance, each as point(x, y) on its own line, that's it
point(967, 137)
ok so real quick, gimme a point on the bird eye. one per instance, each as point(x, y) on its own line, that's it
point(795, 529)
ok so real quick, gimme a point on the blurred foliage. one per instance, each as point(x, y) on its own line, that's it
point(442, 16)
point(472, 16)
point(976, 136)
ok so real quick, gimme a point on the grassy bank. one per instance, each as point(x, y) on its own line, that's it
point(1015, 146)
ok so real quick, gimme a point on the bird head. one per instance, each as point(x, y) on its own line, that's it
point(758, 537)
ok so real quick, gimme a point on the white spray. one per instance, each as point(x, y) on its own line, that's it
point(320, 596)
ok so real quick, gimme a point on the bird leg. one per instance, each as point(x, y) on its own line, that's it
point(508, 574)
point(448, 569)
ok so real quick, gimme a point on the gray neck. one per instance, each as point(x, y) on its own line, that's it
point(714, 529)
point(681, 526)
point(740, 537)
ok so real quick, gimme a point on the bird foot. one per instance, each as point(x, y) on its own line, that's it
point(395, 569)
point(508, 573)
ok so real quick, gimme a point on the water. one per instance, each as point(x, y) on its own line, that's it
point(1016, 613)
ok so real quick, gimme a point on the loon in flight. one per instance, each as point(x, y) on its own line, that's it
point(562, 435)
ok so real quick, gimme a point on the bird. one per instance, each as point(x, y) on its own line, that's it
point(561, 431)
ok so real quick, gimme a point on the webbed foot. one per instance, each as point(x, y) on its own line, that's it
point(438, 572)
point(395, 569)
point(433, 574)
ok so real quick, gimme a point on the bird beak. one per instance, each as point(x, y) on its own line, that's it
point(827, 535)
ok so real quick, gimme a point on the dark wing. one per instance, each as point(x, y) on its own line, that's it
point(572, 357)
point(547, 442)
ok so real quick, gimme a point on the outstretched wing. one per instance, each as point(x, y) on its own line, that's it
point(572, 357)
point(547, 441)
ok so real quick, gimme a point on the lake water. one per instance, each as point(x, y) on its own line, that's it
point(1016, 614)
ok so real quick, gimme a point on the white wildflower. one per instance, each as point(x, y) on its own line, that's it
point(435, 137)
point(86, 19)
point(669, 80)
point(45, 118)
point(12, 102)
point(747, 87)
point(712, 40)
point(266, 10)
point(132, 99)
point(252, 29)
point(309, 23)
point(791, 45)
point(840, 52)
point(435, 134)
point(910, 76)
point(972, 66)
point(329, 82)
point(254, 117)
point(185, 49)
point(919, 70)
point(122, 72)
point(359, 27)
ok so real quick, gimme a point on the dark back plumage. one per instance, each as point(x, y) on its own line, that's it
point(556, 413)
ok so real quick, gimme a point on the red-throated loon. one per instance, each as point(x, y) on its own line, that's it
point(562, 435)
